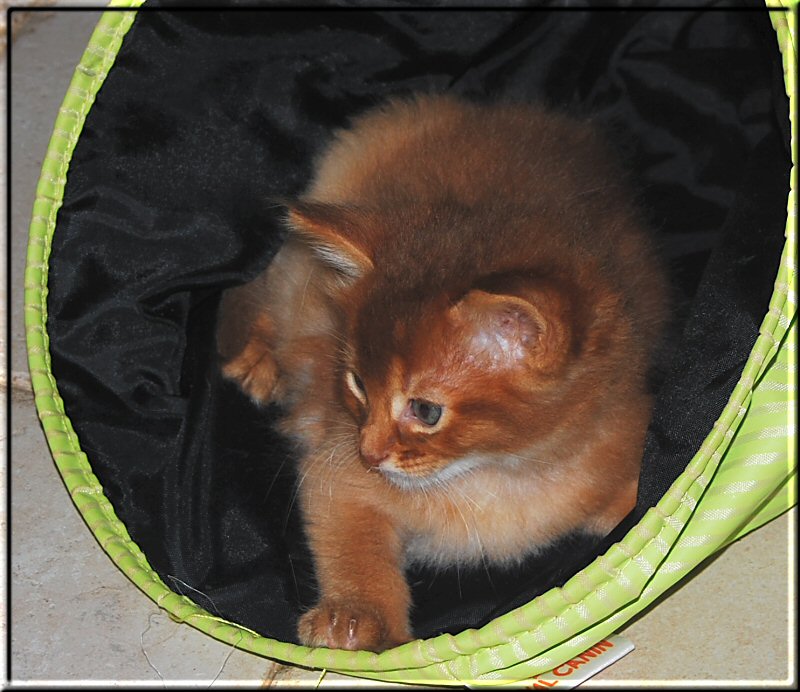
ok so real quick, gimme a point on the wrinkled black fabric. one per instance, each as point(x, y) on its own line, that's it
point(206, 115)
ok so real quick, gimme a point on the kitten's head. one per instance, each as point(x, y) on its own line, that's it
point(444, 375)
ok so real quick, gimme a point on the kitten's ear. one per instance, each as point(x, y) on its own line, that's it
point(525, 329)
point(335, 233)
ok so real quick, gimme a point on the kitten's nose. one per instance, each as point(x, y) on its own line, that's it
point(375, 445)
point(373, 458)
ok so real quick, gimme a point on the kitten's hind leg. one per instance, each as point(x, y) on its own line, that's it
point(254, 368)
point(245, 335)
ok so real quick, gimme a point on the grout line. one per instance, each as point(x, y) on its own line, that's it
point(20, 381)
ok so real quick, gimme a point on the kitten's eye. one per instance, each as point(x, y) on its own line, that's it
point(426, 412)
point(356, 386)
point(359, 385)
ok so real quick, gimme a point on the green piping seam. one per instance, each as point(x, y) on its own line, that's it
point(742, 476)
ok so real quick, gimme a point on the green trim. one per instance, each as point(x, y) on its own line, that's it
point(742, 476)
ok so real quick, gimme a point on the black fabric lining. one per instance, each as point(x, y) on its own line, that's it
point(205, 115)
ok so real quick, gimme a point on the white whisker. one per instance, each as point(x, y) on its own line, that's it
point(529, 459)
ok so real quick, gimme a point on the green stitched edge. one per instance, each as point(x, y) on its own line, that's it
point(689, 523)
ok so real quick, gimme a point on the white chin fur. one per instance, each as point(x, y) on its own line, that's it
point(405, 481)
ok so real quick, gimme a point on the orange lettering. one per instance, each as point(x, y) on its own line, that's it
point(584, 658)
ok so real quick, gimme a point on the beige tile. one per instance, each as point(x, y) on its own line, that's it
point(733, 620)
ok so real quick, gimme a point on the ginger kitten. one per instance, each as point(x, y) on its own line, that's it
point(459, 328)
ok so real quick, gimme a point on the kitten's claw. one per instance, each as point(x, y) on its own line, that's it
point(337, 625)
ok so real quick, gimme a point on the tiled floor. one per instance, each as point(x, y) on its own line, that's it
point(75, 617)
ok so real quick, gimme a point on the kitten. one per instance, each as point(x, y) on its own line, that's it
point(459, 327)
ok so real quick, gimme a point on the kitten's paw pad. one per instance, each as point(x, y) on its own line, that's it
point(254, 370)
point(336, 625)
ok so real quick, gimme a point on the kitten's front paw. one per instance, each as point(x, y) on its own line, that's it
point(254, 370)
point(341, 625)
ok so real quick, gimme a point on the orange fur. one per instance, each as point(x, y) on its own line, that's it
point(459, 327)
